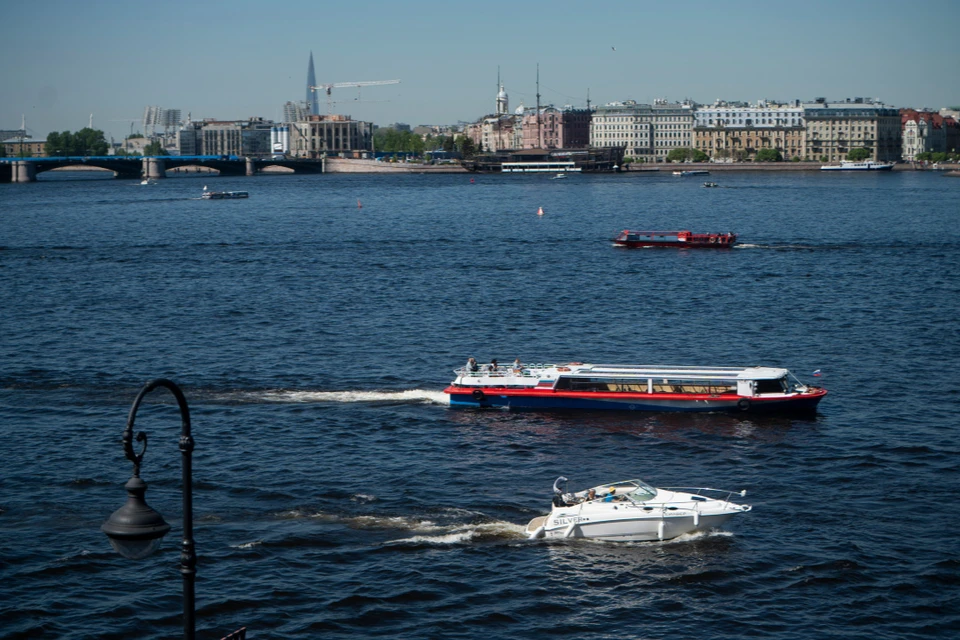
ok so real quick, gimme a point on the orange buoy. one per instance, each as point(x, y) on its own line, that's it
point(359, 206)
point(540, 211)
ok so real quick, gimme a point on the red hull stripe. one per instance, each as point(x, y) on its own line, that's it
point(620, 395)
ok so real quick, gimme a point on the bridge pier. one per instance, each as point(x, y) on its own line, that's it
point(251, 167)
point(154, 168)
point(24, 171)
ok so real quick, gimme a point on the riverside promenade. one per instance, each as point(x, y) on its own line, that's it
point(349, 165)
point(639, 167)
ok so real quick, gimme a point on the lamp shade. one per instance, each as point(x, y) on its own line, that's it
point(135, 530)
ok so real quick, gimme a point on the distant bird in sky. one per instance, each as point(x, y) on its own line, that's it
point(614, 48)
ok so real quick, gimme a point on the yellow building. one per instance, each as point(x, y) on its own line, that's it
point(24, 148)
point(743, 142)
point(738, 131)
point(834, 129)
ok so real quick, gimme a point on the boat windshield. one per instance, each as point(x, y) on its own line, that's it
point(642, 492)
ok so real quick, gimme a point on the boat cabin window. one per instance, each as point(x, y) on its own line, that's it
point(772, 386)
point(641, 385)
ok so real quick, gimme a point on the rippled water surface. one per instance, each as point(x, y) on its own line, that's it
point(336, 495)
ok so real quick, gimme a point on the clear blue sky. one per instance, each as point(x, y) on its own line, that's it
point(65, 59)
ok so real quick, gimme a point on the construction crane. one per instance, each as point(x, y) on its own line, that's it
point(327, 88)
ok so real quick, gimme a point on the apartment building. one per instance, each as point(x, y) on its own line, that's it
point(647, 132)
point(833, 129)
point(336, 135)
point(738, 130)
point(553, 128)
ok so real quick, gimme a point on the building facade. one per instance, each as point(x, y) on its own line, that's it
point(833, 129)
point(647, 132)
point(553, 128)
point(672, 127)
point(923, 132)
point(245, 138)
point(330, 135)
point(497, 133)
point(624, 124)
point(24, 148)
point(738, 131)
point(295, 111)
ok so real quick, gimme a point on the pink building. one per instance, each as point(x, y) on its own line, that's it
point(556, 128)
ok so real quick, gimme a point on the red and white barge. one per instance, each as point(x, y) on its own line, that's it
point(678, 239)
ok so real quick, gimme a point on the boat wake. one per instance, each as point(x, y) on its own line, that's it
point(424, 531)
point(460, 534)
point(285, 396)
point(414, 396)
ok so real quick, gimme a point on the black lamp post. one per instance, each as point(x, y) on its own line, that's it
point(135, 530)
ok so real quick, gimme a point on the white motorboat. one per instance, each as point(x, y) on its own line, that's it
point(632, 510)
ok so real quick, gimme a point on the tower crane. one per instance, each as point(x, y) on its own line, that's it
point(327, 88)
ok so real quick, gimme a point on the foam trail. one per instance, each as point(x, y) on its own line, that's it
point(419, 396)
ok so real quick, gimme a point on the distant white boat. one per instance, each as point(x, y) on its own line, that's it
point(147, 181)
point(223, 195)
point(866, 165)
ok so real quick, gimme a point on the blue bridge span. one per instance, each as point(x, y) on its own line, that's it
point(26, 169)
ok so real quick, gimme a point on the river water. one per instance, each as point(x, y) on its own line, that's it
point(336, 495)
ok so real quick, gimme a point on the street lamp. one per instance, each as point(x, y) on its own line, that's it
point(135, 530)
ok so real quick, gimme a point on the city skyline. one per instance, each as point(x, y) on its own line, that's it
point(230, 61)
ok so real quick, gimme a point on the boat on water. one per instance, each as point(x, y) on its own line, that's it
point(223, 195)
point(866, 165)
point(692, 172)
point(681, 239)
point(633, 511)
point(148, 181)
point(559, 176)
point(710, 184)
point(575, 385)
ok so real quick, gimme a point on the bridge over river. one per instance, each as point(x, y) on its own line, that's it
point(131, 167)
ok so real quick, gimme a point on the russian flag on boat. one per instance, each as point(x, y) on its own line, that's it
point(817, 374)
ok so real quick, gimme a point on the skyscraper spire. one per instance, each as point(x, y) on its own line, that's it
point(312, 99)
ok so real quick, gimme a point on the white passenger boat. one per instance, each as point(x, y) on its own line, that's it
point(866, 165)
point(576, 385)
point(632, 510)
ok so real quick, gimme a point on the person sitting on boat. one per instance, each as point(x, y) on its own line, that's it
point(610, 497)
point(492, 366)
point(472, 365)
point(591, 495)
point(517, 367)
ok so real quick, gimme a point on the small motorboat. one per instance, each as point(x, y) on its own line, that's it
point(559, 176)
point(633, 511)
point(223, 195)
point(148, 181)
point(692, 172)
point(710, 185)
